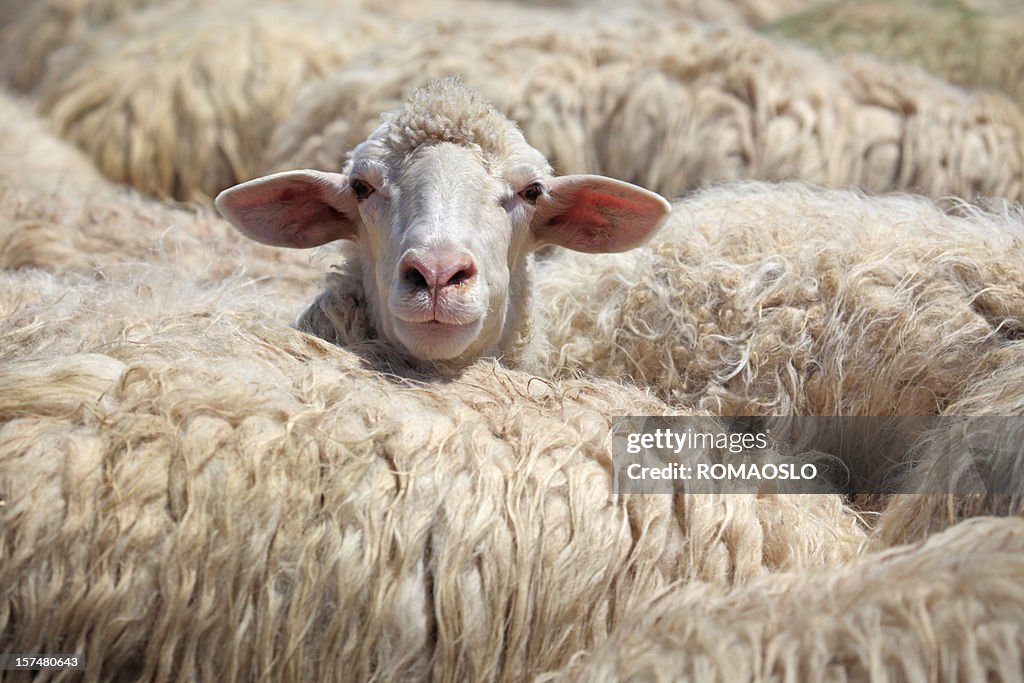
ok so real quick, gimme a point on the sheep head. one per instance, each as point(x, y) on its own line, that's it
point(446, 200)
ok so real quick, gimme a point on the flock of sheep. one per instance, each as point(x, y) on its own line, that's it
point(413, 480)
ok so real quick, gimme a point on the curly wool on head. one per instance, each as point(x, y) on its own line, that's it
point(446, 110)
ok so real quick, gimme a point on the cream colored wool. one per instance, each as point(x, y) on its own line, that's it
point(100, 235)
point(33, 160)
point(193, 490)
point(97, 237)
point(970, 43)
point(760, 299)
point(180, 99)
point(780, 300)
point(992, 450)
point(749, 12)
point(548, 99)
point(44, 27)
point(57, 213)
point(673, 105)
point(947, 610)
point(783, 300)
point(180, 103)
point(11, 10)
point(41, 28)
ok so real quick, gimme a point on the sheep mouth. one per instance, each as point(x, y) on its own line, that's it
point(437, 340)
point(439, 328)
point(439, 323)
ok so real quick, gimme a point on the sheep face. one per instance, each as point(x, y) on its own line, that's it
point(446, 222)
point(442, 242)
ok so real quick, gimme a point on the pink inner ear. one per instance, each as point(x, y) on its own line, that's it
point(289, 209)
point(607, 201)
point(582, 227)
point(595, 214)
point(285, 195)
point(583, 215)
point(308, 224)
point(303, 217)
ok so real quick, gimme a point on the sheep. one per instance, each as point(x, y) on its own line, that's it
point(677, 105)
point(754, 299)
point(949, 609)
point(178, 97)
point(970, 43)
point(189, 140)
point(192, 489)
point(738, 306)
point(260, 504)
point(36, 31)
point(767, 299)
point(760, 299)
point(33, 160)
point(976, 460)
point(179, 103)
point(446, 201)
point(59, 214)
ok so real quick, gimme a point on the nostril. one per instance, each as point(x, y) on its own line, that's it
point(415, 278)
point(461, 276)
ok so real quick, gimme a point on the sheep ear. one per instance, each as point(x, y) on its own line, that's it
point(297, 209)
point(595, 214)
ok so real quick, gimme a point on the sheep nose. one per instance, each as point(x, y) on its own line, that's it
point(438, 273)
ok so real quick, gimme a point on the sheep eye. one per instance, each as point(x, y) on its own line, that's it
point(531, 192)
point(362, 189)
